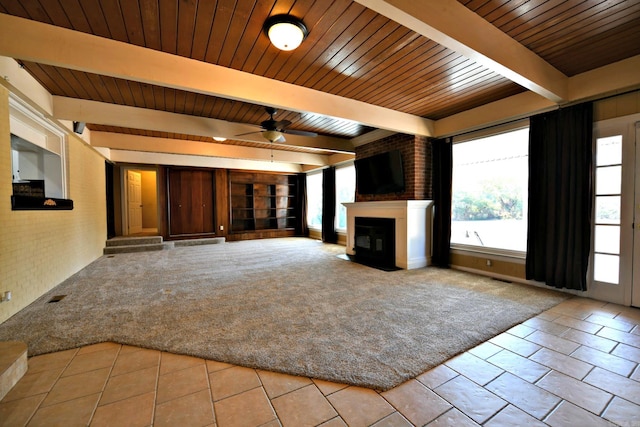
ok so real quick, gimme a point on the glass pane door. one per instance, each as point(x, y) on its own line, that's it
point(611, 272)
point(606, 260)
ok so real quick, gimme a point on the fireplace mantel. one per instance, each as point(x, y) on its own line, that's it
point(413, 228)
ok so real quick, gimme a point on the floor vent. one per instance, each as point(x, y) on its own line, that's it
point(57, 298)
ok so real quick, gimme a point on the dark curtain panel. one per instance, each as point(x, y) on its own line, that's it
point(329, 234)
point(301, 205)
point(560, 197)
point(442, 162)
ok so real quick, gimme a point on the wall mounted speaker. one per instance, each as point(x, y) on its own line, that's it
point(78, 127)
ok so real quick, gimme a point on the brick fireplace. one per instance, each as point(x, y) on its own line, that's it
point(410, 211)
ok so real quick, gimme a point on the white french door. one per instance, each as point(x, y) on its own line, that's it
point(612, 261)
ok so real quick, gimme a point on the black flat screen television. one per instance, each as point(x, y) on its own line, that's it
point(380, 174)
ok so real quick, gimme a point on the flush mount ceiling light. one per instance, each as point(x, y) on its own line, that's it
point(219, 138)
point(285, 31)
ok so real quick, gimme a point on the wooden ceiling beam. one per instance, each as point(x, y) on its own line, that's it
point(451, 24)
point(46, 44)
point(102, 113)
point(619, 77)
point(195, 148)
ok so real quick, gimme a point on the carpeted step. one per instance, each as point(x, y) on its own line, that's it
point(197, 242)
point(13, 364)
point(131, 241)
point(110, 250)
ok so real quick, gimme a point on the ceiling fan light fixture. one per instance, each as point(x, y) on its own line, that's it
point(272, 135)
point(285, 31)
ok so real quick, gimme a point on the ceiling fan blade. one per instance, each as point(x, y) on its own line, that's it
point(248, 133)
point(299, 132)
point(281, 124)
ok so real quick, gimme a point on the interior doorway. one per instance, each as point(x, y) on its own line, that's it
point(140, 202)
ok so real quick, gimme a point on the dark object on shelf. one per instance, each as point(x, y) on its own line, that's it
point(27, 203)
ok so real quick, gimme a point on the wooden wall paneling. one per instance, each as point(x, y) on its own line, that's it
point(95, 14)
point(175, 202)
point(222, 202)
point(150, 16)
point(219, 29)
point(35, 11)
point(133, 22)
point(327, 21)
point(240, 19)
point(203, 27)
point(349, 31)
point(186, 27)
point(196, 184)
point(114, 21)
point(15, 9)
point(252, 39)
point(124, 89)
point(350, 51)
point(44, 78)
point(208, 201)
point(100, 86)
point(163, 202)
point(374, 54)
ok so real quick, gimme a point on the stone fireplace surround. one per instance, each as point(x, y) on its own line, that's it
point(413, 228)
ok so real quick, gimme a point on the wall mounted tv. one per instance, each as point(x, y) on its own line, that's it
point(380, 174)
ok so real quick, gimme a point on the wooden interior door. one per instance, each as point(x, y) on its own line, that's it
point(134, 201)
point(191, 202)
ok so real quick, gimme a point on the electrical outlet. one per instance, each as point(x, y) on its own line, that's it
point(222, 228)
point(488, 263)
point(6, 297)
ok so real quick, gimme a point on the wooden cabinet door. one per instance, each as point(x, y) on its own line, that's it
point(191, 202)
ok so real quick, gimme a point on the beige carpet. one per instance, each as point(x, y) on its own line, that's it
point(288, 305)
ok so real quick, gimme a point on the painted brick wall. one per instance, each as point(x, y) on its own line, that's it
point(416, 160)
point(40, 249)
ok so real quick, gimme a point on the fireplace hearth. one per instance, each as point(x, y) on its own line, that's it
point(375, 242)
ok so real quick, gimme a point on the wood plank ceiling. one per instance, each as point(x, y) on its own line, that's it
point(351, 51)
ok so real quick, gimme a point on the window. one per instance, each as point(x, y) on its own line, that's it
point(606, 259)
point(314, 200)
point(35, 171)
point(345, 193)
point(489, 191)
point(37, 154)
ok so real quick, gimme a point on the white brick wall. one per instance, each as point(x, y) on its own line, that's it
point(39, 249)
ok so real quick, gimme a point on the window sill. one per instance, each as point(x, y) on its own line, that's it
point(26, 203)
point(484, 251)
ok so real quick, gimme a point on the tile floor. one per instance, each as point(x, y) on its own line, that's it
point(576, 364)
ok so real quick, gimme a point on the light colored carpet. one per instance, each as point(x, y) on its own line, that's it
point(287, 305)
